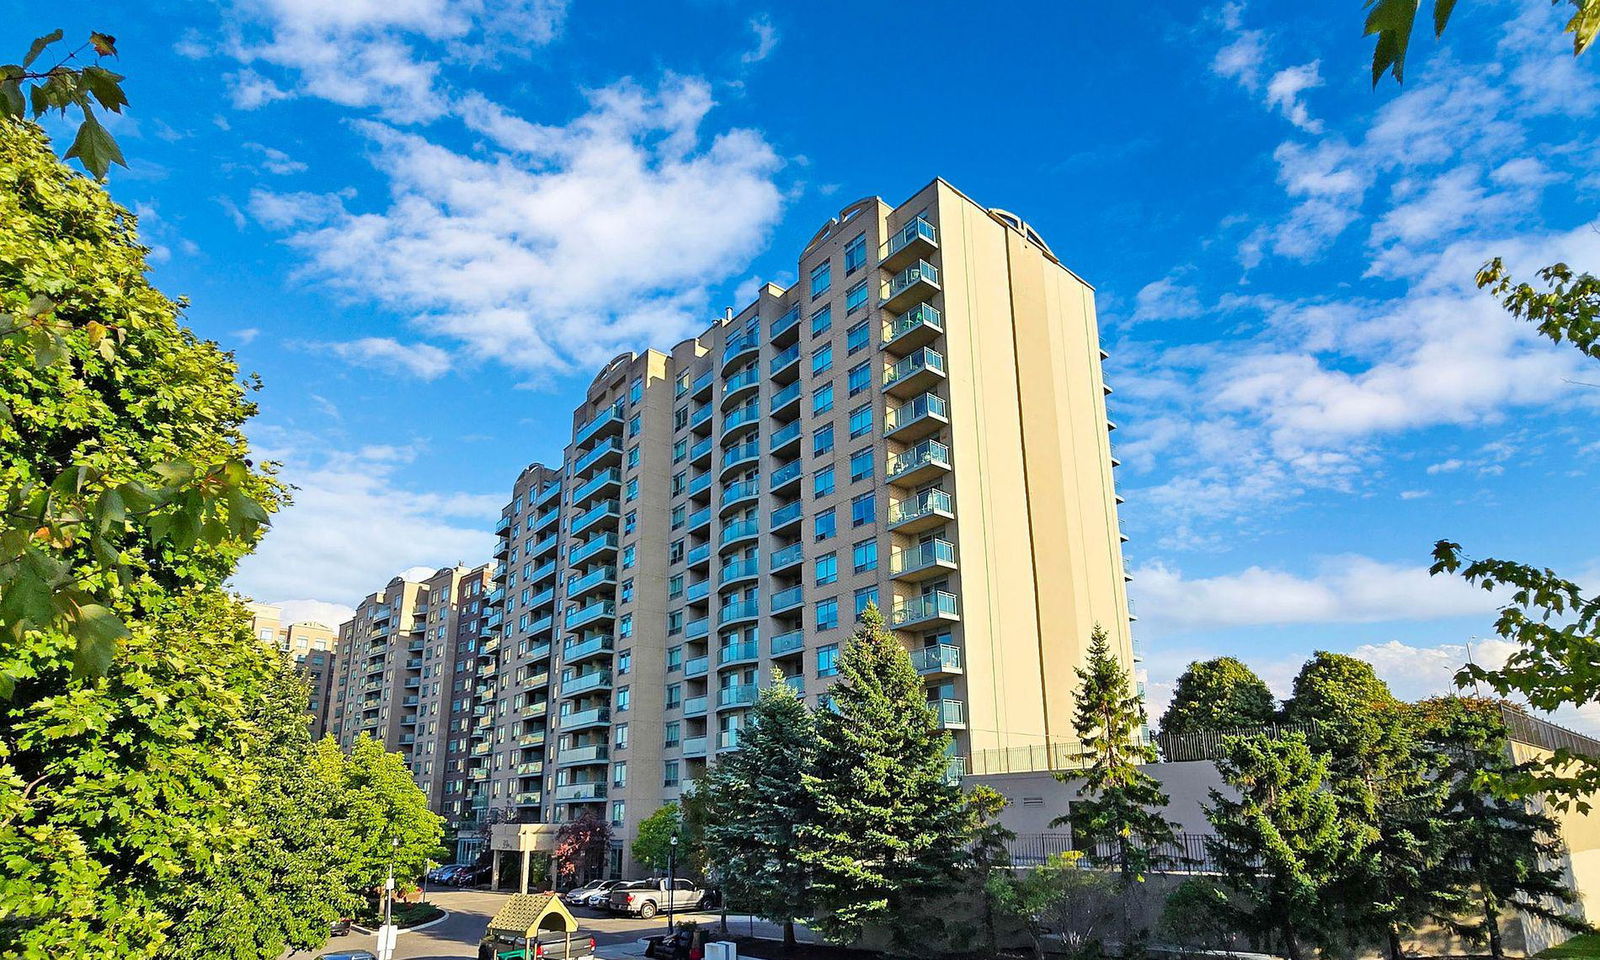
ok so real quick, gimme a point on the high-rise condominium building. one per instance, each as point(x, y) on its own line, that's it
point(309, 647)
point(918, 423)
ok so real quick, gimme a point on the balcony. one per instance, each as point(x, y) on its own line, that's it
point(746, 416)
point(531, 739)
point(502, 527)
point(728, 739)
point(594, 547)
point(695, 706)
point(699, 521)
point(599, 610)
point(702, 386)
point(738, 611)
point(697, 629)
point(914, 374)
point(740, 384)
point(787, 327)
point(738, 695)
point(696, 667)
point(698, 591)
point(739, 350)
point(700, 417)
point(572, 756)
point(700, 482)
point(925, 511)
point(580, 792)
point(792, 642)
point(736, 570)
point(607, 452)
point(534, 768)
point(916, 282)
point(580, 650)
point(545, 570)
point(786, 365)
point(919, 464)
point(699, 556)
point(788, 557)
point(786, 440)
point(694, 746)
point(604, 423)
point(797, 683)
point(737, 530)
point(606, 481)
point(585, 683)
point(917, 327)
point(544, 546)
point(787, 517)
point(917, 418)
point(551, 491)
point(700, 453)
point(785, 600)
point(786, 479)
point(786, 401)
point(546, 518)
point(606, 510)
point(543, 597)
point(939, 660)
point(931, 609)
point(583, 719)
point(951, 714)
point(742, 456)
point(747, 651)
point(603, 576)
point(934, 558)
point(543, 625)
point(540, 651)
point(916, 240)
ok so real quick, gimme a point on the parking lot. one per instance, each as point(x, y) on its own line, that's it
point(456, 936)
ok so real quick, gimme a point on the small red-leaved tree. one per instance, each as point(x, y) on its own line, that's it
point(581, 847)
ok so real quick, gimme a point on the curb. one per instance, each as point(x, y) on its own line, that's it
point(369, 931)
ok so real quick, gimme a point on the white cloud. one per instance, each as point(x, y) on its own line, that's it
point(766, 39)
point(328, 614)
point(421, 360)
point(1285, 88)
point(1446, 466)
point(352, 526)
point(1414, 494)
point(387, 54)
point(1166, 299)
point(1242, 58)
point(1345, 589)
point(556, 246)
point(276, 161)
point(246, 335)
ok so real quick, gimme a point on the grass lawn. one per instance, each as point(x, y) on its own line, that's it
point(1583, 945)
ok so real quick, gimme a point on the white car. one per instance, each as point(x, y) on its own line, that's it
point(589, 894)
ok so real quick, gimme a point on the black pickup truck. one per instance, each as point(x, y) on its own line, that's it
point(547, 947)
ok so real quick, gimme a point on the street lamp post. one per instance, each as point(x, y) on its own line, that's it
point(672, 879)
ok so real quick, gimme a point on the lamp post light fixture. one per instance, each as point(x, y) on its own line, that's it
point(672, 879)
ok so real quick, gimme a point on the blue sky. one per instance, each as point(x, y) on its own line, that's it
point(425, 222)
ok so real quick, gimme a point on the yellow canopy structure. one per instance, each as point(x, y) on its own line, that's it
point(525, 914)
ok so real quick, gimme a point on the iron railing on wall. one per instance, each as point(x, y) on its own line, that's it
point(1188, 853)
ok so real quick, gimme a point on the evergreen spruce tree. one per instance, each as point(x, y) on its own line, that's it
point(1504, 851)
point(759, 806)
point(890, 827)
point(1281, 846)
point(1117, 817)
point(1218, 694)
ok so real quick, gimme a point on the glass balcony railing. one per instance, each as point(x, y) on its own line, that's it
point(787, 557)
point(787, 599)
point(938, 605)
point(921, 321)
point(786, 358)
point(694, 746)
point(734, 456)
point(580, 649)
point(700, 518)
point(786, 514)
point(550, 492)
point(785, 323)
point(697, 629)
point(700, 415)
point(950, 713)
point(786, 396)
point(546, 570)
point(744, 415)
point(917, 461)
point(739, 652)
point(585, 682)
point(739, 530)
point(786, 474)
point(937, 553)
point(786, 643)
point(699, 555)
point(600, 451)
point(594, 545)
point(611, 416)
point(695, 706)
point(544, 546)
point(700, 450)
point(740, 569)
point(588, 753)
point(939, 658)
point(927, 504)
point(594, 578)
point(744, 378)
point(580, 792)
point(697, 591)
point(921, 273)
point(605, 510)
point(608, 477)
point(785, 436)
point(728, 739)
point(738, 695)
point(600, 609)
point(585, 718)
point(699, 483)
point(696, 666)
point(924, 361)
point(739, 610)
point(915, 232)
point(737, 349)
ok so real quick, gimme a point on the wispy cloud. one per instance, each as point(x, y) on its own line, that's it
point(421, 360)
point(766, 39)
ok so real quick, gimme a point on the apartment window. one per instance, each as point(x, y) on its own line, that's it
point(822, 399)
point(861, 421)
point(679, 516)
point(681, 387)
point(624, 661)
point(627, 591)
point(625, 625)
point(636, 390)
point(619, 813)
point(680, 450)
point(857, 337)
point(633, 458)
point(822, 440)
point(860, 377)
point(670, 731)
point(863, 510)
point(630, 521)
point(824, 524)
point(856, 297)
point(821, 321)
point(680, 418)
point(629, 556)
point(861, 464)
point(619, 773)
point(821, 278)
point(675, 659)
point(865, 596)
point(633, 425)
point(864, 556)
point(827, 613)
point(624, 698)
point(827, 568)
point(675, 551)
point(631, 489)
point(675, 586)
point(669, 776)
point(855, 254)
point(822, 359)
point(674, 622)
point(828, 658)
point(822, 482)
point(680, 483)
point(622, 736)
point(674, 696)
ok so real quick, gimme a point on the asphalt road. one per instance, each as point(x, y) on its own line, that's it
point(456, 937)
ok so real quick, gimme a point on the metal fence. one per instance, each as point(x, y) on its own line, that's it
point(1187, 855)
point(1542, 733)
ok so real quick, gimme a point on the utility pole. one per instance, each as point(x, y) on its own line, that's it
point(672, 879)
point(387, 933)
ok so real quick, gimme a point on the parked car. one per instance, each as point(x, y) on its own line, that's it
point(646, 898)
point(442, 874)
point(550, 946)
point(586, 895)
point(470, 876)
point(347, 955)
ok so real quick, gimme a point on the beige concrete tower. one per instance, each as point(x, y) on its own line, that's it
point(310, 649)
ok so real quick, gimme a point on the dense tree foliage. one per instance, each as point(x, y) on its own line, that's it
point(890, 826)
point(1218, 694)
point(761, 808)
point(1392, 22)
point(652, 842)
point(1117, 817)
point(582, 846)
